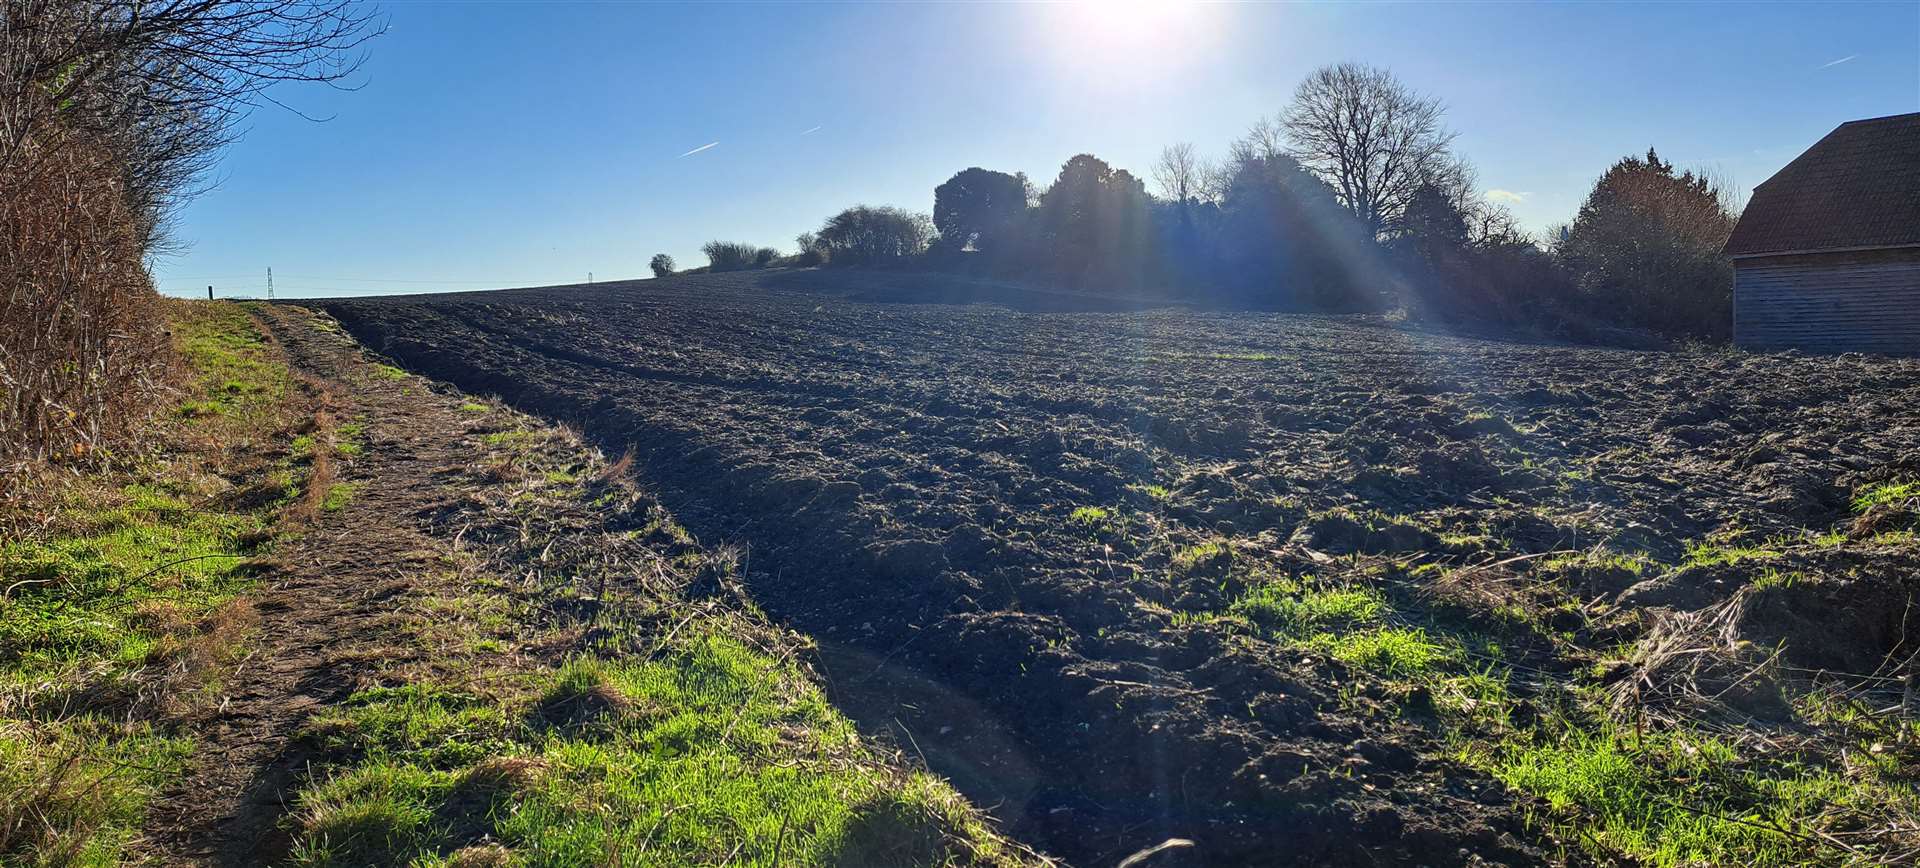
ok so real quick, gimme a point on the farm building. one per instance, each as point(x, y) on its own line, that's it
point(1827, 255)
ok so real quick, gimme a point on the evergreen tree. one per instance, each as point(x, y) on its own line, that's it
point(1646, 246)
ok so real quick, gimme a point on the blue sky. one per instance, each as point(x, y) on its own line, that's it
point(506, 143)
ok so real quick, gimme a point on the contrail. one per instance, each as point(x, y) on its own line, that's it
point(699, 149)
point(1837, 62)
point(810, 132)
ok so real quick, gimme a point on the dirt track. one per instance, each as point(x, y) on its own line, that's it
point(905, 476)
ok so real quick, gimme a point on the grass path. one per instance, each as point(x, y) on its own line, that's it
point(481, 646)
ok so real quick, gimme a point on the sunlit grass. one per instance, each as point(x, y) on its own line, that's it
point(713, 753)
point(124, 604)
point(1883, 493)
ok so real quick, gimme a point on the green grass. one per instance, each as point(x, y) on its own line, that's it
point(1771, 579)
point(119, 607)
point(1668, 798)
point(79, 788)
point(339, 495)
point(474, 407)
point(1190, 558)
point(1089, 516)
point(1157, 492)
point(1348, 624)
point(1709, 554)
point(713, 753)
point(1684, 798)
point(1885, 493)
point(388, 372)
point(515, 438)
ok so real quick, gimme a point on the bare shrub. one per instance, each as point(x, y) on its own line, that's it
point(730, 255)
point(81, 344)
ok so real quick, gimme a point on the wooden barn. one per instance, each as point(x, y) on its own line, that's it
point(1826, 256)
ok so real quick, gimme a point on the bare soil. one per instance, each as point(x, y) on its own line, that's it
point(904, 456)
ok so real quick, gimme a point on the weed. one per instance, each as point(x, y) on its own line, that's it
point(1393, 652)
point(1280, 607)
point(516, 439)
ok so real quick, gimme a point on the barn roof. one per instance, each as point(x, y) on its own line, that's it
point(1858, 187)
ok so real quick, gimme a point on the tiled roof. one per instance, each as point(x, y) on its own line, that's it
point(1858, 187)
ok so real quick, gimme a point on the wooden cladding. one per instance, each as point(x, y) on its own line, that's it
point(1867, 303)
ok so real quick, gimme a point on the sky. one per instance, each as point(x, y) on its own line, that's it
point(491, 144)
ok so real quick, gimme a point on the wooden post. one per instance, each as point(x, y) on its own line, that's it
point(209, 293)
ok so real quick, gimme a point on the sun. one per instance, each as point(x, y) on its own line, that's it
point(1121, 41)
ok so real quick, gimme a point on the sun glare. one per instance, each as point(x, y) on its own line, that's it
point(1123, 40)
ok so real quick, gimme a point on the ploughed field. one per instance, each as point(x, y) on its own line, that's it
point(1301, 589)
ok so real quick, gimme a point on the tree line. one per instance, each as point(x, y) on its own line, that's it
point(1352, 198)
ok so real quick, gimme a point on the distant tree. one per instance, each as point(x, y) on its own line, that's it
point(730, 255)
point(1265, 140)
point(661, 264)
point(1094, 223)
point(1433, 221)
point(1181, 175)
point(864, 235)
point(1284, 239)
point(1370, 137)
point(1646, 245)
point(977, 207)
point(810, 251)
point(764, 257)
point(1492, 225)
point(1462, 258)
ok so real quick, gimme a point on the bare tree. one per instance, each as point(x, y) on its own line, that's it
point(1264, 141)
point(110, 111)
point(160, 83)
point(1369, 136)
point(1180, 174)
